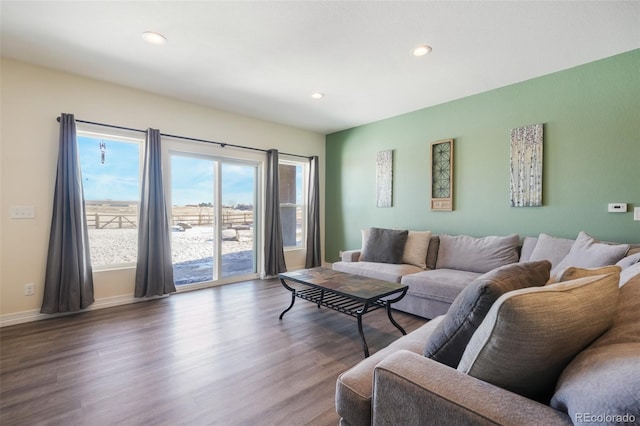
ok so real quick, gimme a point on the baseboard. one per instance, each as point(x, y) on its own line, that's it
point(105, 302)
point(35, 315)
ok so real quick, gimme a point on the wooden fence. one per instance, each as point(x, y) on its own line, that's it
point(124, 221)
point(111, 221)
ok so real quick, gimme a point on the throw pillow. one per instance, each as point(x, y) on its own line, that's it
point(385, 245)
point(572, 273)
point(587, 252)
point(416, 247)
point(450, 338)
point(480, 255)
point(432, 253)
point(604, 378)
point(365, 238)
point(530, 335)
point(550, 248)
point(629, 273)
point(629, 260)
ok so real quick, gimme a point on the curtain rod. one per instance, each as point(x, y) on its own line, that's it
point(222, 144)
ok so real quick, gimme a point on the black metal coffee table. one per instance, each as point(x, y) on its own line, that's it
point(350, 294)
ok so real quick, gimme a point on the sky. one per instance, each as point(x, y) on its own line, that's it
point(192, 178)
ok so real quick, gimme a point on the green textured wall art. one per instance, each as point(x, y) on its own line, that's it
point(442, 175)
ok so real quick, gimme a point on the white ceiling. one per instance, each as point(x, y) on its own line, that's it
point(265, 58)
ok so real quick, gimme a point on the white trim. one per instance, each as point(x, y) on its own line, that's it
point(35, 315)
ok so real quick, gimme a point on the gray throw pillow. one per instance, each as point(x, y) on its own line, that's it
point(530, 335)
point(384, 245)
point(449, 339)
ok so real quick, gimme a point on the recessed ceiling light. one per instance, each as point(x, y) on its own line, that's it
point(317, 95)
point(154, 38)
point(421, 50)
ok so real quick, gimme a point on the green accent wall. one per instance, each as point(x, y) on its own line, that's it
point(591, 117)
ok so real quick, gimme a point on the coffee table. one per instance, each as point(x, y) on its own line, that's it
point(350, 294)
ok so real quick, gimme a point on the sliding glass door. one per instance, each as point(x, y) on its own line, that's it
point(238, 242)
point(213, 202)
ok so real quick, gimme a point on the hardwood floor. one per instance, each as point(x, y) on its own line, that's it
point(213, 356)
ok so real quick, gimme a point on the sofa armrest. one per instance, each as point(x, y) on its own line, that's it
point(411, 389)
point(351, 256)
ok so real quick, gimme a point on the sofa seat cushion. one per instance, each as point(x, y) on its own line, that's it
point(354, 387)
point(605, 377)
point(449, 340)
point(530, 335)
point(439, 284)
point(382, 271)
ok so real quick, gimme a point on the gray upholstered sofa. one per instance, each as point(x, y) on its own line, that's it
point(525, 343)
point(438, 271)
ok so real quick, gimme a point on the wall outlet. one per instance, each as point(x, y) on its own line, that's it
point(29, 289)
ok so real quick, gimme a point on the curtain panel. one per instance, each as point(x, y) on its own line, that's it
point(314, 255)
point(273, 244)
point(68, 283)
point(154, 270)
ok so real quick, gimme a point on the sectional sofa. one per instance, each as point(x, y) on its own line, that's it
point(438, 267)
point(533, 341)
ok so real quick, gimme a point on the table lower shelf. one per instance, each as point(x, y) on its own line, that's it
point(346, 305)
point(338, 302)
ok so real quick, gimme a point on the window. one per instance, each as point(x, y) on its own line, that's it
point(110, 167)
point(293, 211)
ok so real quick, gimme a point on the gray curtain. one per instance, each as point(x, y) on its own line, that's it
point(314, 256)
point(273, 244)
point(154, 270)
point(68, 282)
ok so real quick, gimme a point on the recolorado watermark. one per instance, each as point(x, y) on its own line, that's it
point(604, 418)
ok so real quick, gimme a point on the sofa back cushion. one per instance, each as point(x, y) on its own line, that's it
point(551, 248)
point(587, 252)
point(472, 254)
point(605, 377)
point(449, 340)
point(530, 335)
point(528, 244)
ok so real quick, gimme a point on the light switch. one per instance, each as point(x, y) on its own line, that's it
point(23, 212)
point(636, 213)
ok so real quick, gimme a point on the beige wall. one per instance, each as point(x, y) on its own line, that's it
point(31, 99)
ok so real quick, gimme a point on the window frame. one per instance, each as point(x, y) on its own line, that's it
point(122, 136)
point(305, 200)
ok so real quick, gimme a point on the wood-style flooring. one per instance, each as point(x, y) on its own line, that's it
point(218, 356)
